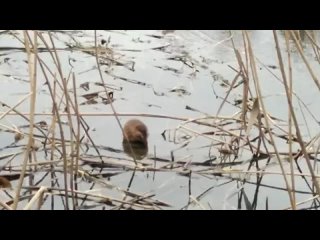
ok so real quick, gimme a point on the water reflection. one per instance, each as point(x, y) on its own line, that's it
point(138, 151)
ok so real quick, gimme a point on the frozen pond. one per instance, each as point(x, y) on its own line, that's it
point(167, 79)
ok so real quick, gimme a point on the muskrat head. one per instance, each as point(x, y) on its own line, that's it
point(135, 134)
point(135, 131)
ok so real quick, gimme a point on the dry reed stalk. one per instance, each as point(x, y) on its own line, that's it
point(32, 63)
point(299, 136)
point(259, 95)
point(245, 77)
point(314, 44)
point(36, 197)
point(195, 201)
point(290, 122)
point(94, 197)
point(6, 206)
point(56, 112)
point(38, 163)
point(135, 200)
point(53, 145)
point(71, 131)
point(43, 67)
point(77, 150)
point(240, 171)
point(294, 93)
point(228, 92)
point(16, 105)
point(305, 201)
point(56, 59)
point(246, 89)
point(189, 119)
point(108, 96)
point(16, 112)
point(298, 45)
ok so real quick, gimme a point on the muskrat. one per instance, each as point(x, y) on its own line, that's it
point(135, 134)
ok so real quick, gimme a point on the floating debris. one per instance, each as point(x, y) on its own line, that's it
point(180, 91)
